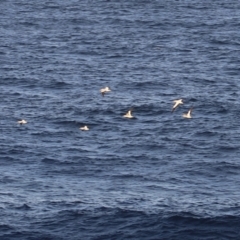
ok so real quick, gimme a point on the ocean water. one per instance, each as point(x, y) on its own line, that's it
point(156, 176)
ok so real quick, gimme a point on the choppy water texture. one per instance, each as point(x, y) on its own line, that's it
point(158, 176)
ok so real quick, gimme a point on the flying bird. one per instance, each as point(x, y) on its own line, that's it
point(177, 103)
point(105, 90)
point(128, 114)
point(22, 121)
point(188, 114)
point(85, 128)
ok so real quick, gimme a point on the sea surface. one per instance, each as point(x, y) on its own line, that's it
point(156, 176)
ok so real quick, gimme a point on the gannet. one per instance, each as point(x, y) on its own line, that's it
point(128, 114)
point(188, 114)
point(22, 121)
point(104, 90)
point(177, 102)
point(85, 128)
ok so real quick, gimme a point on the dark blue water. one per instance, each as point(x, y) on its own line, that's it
point(157, 176)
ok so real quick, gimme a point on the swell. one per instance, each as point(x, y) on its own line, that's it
point(117, 223)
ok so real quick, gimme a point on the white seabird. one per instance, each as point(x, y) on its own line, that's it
point(85, 128)
point(22, 121)
point(177, 102)
point(128, 114)
point(104, 90)
point(188, 114)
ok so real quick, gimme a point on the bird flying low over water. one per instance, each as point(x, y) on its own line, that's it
point(104, 90)
point(85, 128)
point(177, 103)
point(22, 121)
point(128, 114)
point(188, 114)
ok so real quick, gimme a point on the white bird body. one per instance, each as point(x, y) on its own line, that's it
point(177, 103)
point(104, 90)
point(128, 114)
point(188, 114)
point(85, 128)
point(22, 121)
